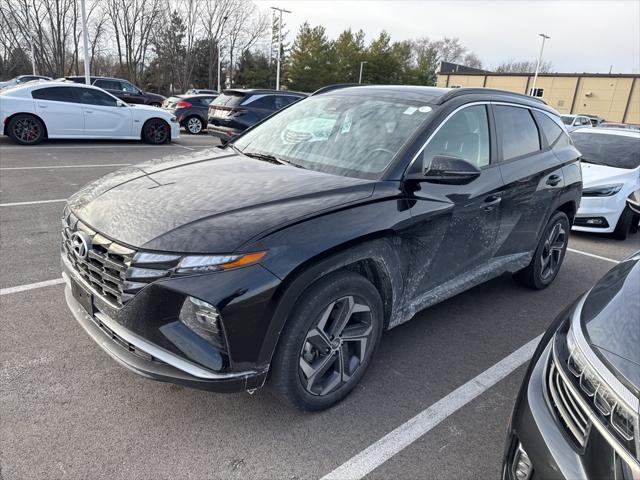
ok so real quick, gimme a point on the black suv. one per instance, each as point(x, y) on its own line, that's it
point(123, 89)
point(236, 110)
point(286, 253)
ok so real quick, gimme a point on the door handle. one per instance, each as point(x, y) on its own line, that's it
point(554, 180)
point(491, 202)
point(88, 111)
point(42, 106)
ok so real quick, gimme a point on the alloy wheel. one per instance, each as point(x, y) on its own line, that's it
point(335, 347)
point(27, 130)
point(157, 131)
point(552, 251)
point(194, 125)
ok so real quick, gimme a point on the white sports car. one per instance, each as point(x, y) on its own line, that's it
point(610, 174)
point(32, 112)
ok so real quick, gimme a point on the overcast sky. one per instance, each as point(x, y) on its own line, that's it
point(586, 36)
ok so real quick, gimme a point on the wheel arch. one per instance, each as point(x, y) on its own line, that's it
point(569, 208)
point(9, 118)
point(373, 257)
point(150, 119)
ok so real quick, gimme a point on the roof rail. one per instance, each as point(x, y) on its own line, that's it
point(334, 86)
point(456, 92)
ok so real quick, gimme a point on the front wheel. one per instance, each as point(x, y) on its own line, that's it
point(194, 125)
point(328, 341)
point(156, 131)
point(26, 129)
point(549, 254)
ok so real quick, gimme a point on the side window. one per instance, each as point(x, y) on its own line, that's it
point(128, 87)
point(517, 131)
point(90, 96)
point(266, 102)
point(107, 84)
point(284, 100)
point(464, 135)
point(550, 128)
point(57, 94)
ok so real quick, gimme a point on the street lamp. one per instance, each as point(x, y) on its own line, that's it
point(535, 76)
point(361, 68)
point(224, 20)
point(85, 43)
point(279, 43)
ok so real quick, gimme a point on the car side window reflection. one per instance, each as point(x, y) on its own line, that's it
point(465, 135)
point(95, 97)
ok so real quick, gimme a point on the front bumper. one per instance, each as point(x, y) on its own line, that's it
point(146, 337)
point(223, 133)
point(607, 208)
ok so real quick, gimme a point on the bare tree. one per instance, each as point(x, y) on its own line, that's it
point(133, 22)
point(523, 66)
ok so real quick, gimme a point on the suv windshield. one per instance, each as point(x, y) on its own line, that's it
point(612, 150)
point(348, 135)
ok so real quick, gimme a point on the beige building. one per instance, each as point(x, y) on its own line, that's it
point(615, 98)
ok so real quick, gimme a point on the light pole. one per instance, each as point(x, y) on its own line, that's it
point(33, 56)
point(279, 44)
point(85, 44)
point(535, 76)
point(224, 20)
point(361, 68)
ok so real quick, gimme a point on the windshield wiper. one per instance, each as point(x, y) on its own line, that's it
point(266, 157)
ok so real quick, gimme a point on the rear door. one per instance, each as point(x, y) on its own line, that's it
point(532, 175)
point(102, 115)
point(59, 109)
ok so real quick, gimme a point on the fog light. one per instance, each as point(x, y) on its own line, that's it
point(595, 221)
point(521, 467)
point(204, 319)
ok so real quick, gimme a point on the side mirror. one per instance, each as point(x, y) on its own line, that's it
point(450, 170)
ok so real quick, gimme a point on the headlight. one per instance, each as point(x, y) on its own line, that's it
point(212, 263)
point(620, 417)
point(204, 319)
point(603, 191)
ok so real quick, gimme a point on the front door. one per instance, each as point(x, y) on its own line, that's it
point(455, 226)
point(103, 117)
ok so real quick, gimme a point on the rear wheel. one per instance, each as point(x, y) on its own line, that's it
point(623, 227)
point(328, 342)
point(193, 125)
point(26, 129)
point(549, 254)
point(156, 131)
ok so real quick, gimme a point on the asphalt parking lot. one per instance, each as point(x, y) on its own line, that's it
point(68, 411)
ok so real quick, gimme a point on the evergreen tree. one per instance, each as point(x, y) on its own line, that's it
point(349, 51)
point(309, 65)
point(253, 71)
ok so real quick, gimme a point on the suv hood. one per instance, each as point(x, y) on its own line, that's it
point(211, 202)
point(611, 320)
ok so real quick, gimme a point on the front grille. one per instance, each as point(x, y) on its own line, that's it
point(105, 266)
point(566, 407)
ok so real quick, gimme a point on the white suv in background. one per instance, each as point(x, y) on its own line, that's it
point(610, 174)
point(573, 122)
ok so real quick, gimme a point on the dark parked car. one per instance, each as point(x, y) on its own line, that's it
point(124, 90)
point(286, 253)
point(190, 110)
point(236, 110)
point(577, 414)
point(198, 91)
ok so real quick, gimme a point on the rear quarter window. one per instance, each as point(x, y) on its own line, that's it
point(550, 129)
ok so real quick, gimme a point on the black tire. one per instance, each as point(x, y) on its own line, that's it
point(307, 345)
point(549, 254)
point(623, 227)
point(193, 125)
point(156, 131)
point(26, 129)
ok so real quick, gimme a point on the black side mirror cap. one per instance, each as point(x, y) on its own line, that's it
point(450, 170)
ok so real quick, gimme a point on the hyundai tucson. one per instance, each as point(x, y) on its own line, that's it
point(280, 258)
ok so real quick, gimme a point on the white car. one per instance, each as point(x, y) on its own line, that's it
point(32, 112)
point(610, 174)
point(573, 122)
point(22, 79)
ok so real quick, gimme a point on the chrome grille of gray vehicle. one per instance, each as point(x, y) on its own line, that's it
point(566, 406)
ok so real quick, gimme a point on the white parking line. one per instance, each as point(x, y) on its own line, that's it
point(606, 259)
point(47, 167)
point(35, 202)
point(410, 431)
point(30, 286)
